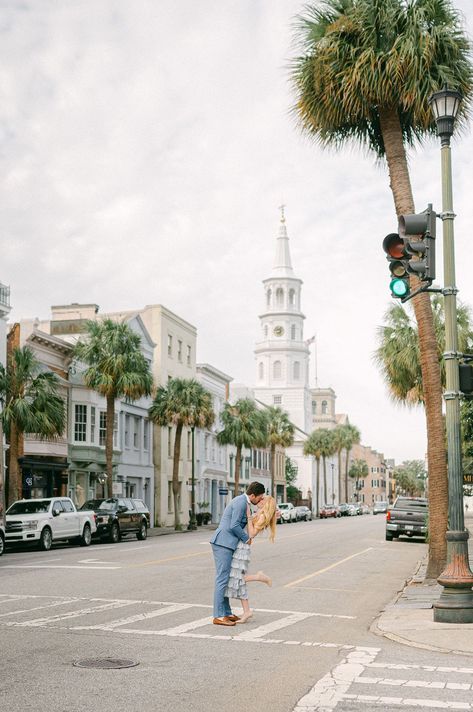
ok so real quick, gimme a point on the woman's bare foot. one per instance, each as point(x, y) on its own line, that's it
point(264, 579)
point(245, 617)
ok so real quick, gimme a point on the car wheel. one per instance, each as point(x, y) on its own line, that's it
point(143, 533)
point(46, 539)
point(114, 537)
point(2, 543)
point(86, 537)
point(389, 537)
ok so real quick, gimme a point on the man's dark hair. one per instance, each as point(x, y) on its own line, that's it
point(255, 488)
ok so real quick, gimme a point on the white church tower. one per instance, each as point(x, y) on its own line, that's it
point(282, 355)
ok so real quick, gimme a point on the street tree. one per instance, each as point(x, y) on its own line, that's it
point(115, 367)
point(291, 472)
point(364, 74)
point(280, 432)
point(244, 426)
point(31, 404)
point(320, 444)
point(352, 436)
point(182, 403)
point(410, 477)
point(358, 471)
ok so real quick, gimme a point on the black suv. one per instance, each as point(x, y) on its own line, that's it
point(119, 516)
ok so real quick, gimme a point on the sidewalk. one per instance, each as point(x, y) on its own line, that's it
point(205, 529)
point(408, 619)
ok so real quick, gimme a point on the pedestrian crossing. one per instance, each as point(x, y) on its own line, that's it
point(360, 681)
point(161, 618)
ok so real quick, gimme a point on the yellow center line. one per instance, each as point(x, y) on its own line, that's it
point(171, 558)
point(327, 568)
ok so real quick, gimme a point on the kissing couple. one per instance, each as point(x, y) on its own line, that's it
point(231, 548)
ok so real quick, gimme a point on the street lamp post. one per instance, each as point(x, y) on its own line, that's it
point(192, 523)
point(333, 492)
point(455, 604)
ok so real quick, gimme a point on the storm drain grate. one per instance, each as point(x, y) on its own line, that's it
point(104, 663)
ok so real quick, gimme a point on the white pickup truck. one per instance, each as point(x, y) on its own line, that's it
point(47, 520)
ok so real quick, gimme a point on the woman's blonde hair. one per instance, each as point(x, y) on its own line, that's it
point(266, 517)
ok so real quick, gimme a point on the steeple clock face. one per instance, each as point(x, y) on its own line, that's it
point(278, 331)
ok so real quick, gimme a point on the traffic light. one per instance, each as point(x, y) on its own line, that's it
point(411, 251)
point(466, 380)
point(421, 251)
point(393, 245)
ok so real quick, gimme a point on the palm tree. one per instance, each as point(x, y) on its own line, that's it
point(320, 444)
point(183, 403)
point(327, 448)
point(365, 73)
point(358, 471)
point(243, 426)
point(343, 439)
point(280, 432)
point(352, 437)
point(115, 368)
point(31, 404)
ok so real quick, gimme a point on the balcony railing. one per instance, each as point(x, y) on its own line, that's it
point(4, 295)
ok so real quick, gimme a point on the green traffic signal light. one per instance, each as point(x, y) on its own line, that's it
point(399, 287)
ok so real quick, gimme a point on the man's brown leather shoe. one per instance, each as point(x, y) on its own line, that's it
point(223, 621)
point(233, 618)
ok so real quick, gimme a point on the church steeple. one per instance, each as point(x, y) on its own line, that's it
point(282, 260)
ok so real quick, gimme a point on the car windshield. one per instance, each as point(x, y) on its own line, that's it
point(283, 506)
point(406, 503)
point(29, 507)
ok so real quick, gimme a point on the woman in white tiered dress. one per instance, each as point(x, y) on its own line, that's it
point(265, 518)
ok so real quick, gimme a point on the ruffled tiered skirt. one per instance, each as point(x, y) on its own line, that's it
point(236, 587)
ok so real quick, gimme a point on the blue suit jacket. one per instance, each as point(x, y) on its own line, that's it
point(231, 528)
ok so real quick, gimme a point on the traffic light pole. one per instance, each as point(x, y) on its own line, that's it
point(455, 604)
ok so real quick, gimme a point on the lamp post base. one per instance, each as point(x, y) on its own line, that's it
point(192, 526)
point(455, 604)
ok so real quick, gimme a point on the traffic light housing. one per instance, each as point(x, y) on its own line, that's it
point(466, 380)
point(411, 251)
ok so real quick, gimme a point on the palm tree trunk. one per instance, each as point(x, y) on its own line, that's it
point(14, 480)
point(347, 460)
point(340, 476)
point(109, 443)
point(317, 488)
point(429, 357)
point(325, 479)
point(175, 476)
point(237, 470)
point(273, 454)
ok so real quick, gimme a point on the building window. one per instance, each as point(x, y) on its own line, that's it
point(292, 297)
point(247, 467)
point(179, 351)
point(279, 297)
point(293, 331)
point(169, 442)
point(136, 433)
point(261, 371)
point(145, 434)
point(277, 369)
point(188, 355)
point(297, 370)
point(80, 423)
point(277, 400)
point(266, 331)
point(115, 430)
point(268, 298)
point(189, 444)
point(127, 430)
point(92, 424)
point(314, 407)
point(102, 428)
point(324, 407)
point(169, 345)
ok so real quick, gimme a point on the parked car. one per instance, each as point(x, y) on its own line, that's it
point(358, 507)
point(407, 517)
point(119, 516)
point(329, 510)
point(352, 510)
point(2, 539)
point(303, 513)
point(365, 509)
point(343, 509)
point(48, 520)
point(380, 507)
point(288, 512)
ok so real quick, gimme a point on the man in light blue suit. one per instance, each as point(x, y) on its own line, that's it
point(230, 531)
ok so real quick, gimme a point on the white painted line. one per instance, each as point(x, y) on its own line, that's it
point(405, 702)
point(332, 688)
point(435, 684)
point(38, 608)
point(137, 617)
point(428, 668)
point(50, 566)
point(185, 627)
point(38, 622)
point(95, 561)
point(270, 627)
point(10, 599)
point(327, 568)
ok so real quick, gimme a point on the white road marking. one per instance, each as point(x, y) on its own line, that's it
point(332, 688)
point(327, 568)
point(406, 702)
point(270, 627)
point(137, 617)
point(37, 622)
point(428, 668)
point(50, 566)
point(95, 561)
point(185, 627)
point(38, 608)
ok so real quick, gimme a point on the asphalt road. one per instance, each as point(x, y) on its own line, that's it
point(308, 647)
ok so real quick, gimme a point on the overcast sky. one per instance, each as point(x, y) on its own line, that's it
point(145, 148)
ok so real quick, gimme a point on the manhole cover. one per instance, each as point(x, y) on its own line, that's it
point(105, 663)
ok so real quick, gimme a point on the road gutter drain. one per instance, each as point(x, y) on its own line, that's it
point(104, 663)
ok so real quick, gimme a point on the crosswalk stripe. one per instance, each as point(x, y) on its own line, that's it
point(185, 627)
point(39, 608)
point(274, 625)
point(38, 622)
point(407, 702)
point(134, 619)
point(428, 668)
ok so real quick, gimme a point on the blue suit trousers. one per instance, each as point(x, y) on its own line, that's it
point(223, 561)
